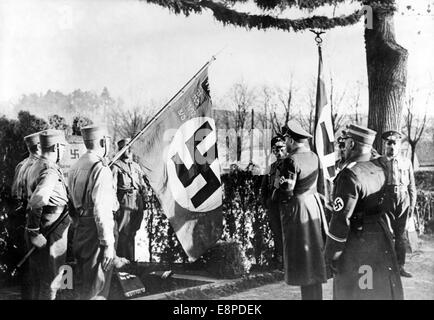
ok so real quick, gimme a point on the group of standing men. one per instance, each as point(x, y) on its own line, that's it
point(362, 245)
point(102, 206)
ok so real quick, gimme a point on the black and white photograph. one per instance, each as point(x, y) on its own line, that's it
point(216, 154)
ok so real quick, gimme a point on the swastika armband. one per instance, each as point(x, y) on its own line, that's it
point(338, 204)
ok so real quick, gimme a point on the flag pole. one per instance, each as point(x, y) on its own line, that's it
point(116, 157)
point(155, 117)
point(318, 41)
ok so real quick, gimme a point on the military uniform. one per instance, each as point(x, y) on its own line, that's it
point(400, 195)
point(18, 220)
point(19, 184)
point(128, 178)
point(92, 192)
point(339, 164)
point(359, 243)
point(302, 216)
point(272, 207)
point(48, 198)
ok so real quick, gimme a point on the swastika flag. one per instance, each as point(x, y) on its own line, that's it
point(324, 138)
point(179, 155)
point(324, 135)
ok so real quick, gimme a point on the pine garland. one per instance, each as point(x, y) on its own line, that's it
point(230, 16)
point(224, 14)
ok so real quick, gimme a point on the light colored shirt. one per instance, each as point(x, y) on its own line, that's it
point(393, 172)
point(399, 172)
point(19, 184)
point(100, 194)
point(46, 185)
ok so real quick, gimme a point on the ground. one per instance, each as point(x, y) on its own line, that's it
point(421, 287)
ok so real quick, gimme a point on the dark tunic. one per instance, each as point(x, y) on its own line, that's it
point(272, 207)
point(301, 215)
point(367, 268)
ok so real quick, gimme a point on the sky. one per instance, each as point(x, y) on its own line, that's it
point(142, 52)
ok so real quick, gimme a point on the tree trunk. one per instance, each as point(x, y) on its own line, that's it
point(239, 147)
point(413, 152)
point(387, 74)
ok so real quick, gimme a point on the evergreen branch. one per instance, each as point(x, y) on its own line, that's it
point(226, 15)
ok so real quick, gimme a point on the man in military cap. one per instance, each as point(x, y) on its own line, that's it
point(93, 196)
point(359, 248)
point(128, 179)
point(278, 147)
point(19, 190)
point(48, 198)
point(400, 192)
point(341, 152)
point(19, 194)
point(301, 214)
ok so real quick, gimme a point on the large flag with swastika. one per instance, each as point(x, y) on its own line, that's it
point(179, 155)
point(324, 135)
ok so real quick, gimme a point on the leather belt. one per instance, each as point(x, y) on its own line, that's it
point(52, 209)
point(87, 213)
point(396, 189)
point(129, 191)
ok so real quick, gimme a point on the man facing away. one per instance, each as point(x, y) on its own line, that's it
point(19, 194)
point(130, 185)
point(400, 193)
point(47, 200)
point(19, 188)
point(359, 248)
point(92, 192)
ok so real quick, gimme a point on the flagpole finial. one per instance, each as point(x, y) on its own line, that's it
point(318, 38)
point(215, 55)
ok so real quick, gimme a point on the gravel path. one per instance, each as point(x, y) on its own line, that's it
point(420, 287)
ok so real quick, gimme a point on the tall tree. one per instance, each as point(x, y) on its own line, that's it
point(339, 115)
point(79, 122)
point(242, 98)
point(387, 71)
point(59, 123)
point(386, 60)
point(414, 125)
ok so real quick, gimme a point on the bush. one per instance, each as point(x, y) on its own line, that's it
point(244, 221)
point(424, 180)
point(425, 211)
point(226, 260)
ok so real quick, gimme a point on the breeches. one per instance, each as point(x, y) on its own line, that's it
point(129, 218)
point(45, 264)
point(93, 281)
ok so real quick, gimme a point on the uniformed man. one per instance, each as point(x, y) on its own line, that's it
point(359, 248)
point(341, 152)
point(19, 188)
point(93, 196)
point(301, 215)
point(130, 185)
point(400, 193)
point(48, 198)
point(18, 219)
point(278, 147)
